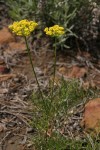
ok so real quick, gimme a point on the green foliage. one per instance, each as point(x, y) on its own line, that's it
point(47, 114)
point(71, 92)
point(83, 15)
point(55, 142)
point(47, 13)
point(88, 143)
point(22, 9)
point(74, 15)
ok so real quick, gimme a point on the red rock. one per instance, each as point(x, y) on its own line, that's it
point(5, 36)
point(91, 119)
point(77, 72)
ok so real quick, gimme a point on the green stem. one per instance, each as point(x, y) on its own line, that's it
point(54, 73)
point(29, 54)
point(46, 139)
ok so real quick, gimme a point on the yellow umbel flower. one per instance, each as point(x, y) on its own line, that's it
point(23, 27)
point(54, 31)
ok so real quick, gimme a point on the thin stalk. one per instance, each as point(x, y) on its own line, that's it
point(46, 139)
point(29, 54)
point(54, 73)
point(44, 105)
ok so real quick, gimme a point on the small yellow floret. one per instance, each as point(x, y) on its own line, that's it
point(54, 31)
point(23, 27)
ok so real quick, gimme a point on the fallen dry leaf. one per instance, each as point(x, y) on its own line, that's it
point(2, 127)
point(62, 70)
point(3, 91)
point(86, 85)
point(6, 77)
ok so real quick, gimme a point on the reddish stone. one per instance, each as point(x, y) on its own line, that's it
point(91, 119)
point(5, 36)
point(78, 72)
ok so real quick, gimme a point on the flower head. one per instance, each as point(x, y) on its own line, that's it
point(23, 27)
point(54, 31)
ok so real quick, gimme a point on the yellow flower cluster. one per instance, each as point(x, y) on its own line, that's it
point(54, 31)
point(23, 27)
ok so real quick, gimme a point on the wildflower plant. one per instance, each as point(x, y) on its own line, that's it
point(54, 31)
point(49, 108)
point(24, 28)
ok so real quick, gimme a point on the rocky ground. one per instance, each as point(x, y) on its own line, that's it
point(17, 83)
